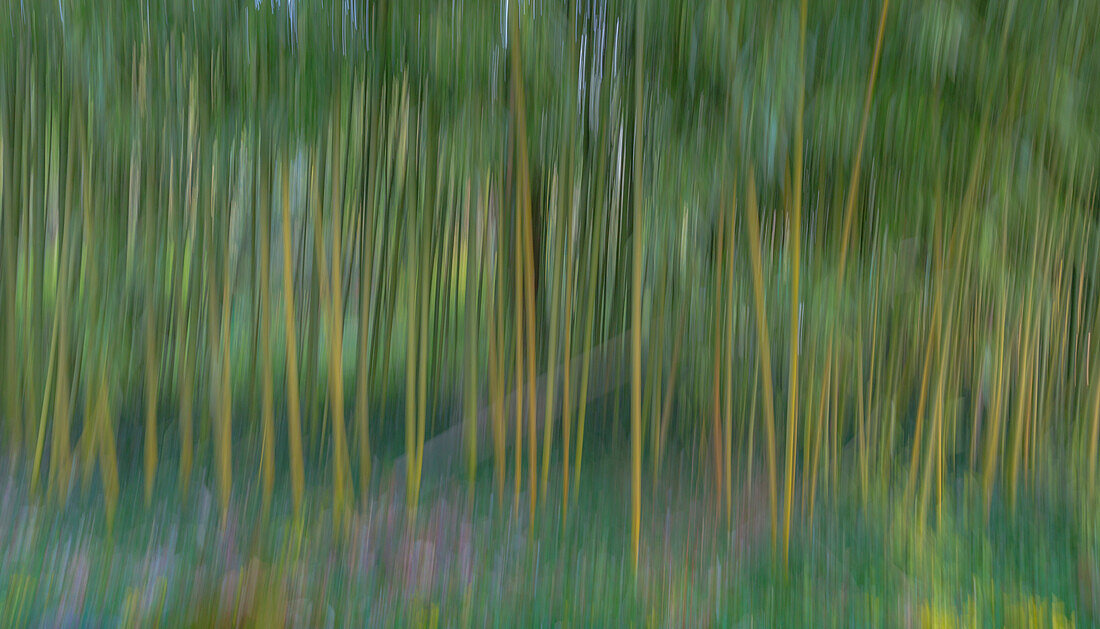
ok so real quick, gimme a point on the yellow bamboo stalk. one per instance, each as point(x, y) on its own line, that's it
point(935, 436)
point(523, 201)
point(820, 426)
point(849, 209)
point(1023, 387)
point(795, 264)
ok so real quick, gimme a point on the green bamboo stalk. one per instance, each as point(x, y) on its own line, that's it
point(567, 348)
point(225, 408)
point(717, 357)
point(422, 367)
point(764, 349)
point(469, 289)
point(552, 353)
point(496, 372)
point(586, 364)
point(411, 329)
point(526, 259)
point(52, 363)
point(637, 238)
point(267, 379)
point(335, 333)
point(367, 346)
point(294, 417)
point(727, 350)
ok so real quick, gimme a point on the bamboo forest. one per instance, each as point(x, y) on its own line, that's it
point(549, 313)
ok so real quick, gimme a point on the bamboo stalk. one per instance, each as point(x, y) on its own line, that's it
point(582, 394)
point(1023, 389)
point(523, 208)
point(853, 184)
point(923, 397)
point(795, 264)
point(727, 351)
point(764, 349)
point(184, 308)
point(717, 361)
point(60, 445)
point(637, 238)
point(105, 441)
point(367, 346)
point(152, 359)
point(421, 378)
point(552, 353)
point(225, 409)
point(267, 380)
point(469, 289)
point(496, 371)
point(567, 349)
point(820, 425)
point(411, 329)
point(341, 466)
point(519, 378)
point(294, 417)
point(53, 363)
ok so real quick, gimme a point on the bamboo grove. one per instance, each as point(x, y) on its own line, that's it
point(272, 244)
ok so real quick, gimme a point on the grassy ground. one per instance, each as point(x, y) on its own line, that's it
point(464, 564)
